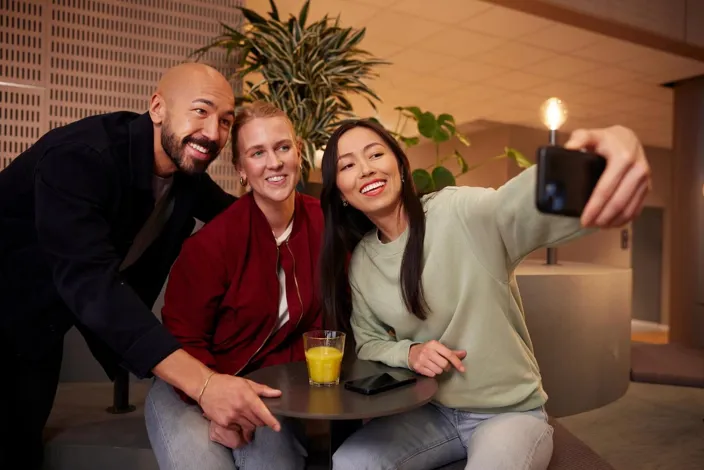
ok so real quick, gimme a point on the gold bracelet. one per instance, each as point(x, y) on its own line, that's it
point(200, 396)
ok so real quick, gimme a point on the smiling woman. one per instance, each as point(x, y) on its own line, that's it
point(413, 302)
point(385, 194)
point(239, 298)
point(268, 159)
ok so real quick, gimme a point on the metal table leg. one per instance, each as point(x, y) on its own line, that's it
point(121, 394)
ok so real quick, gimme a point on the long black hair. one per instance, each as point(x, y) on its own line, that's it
point(345, 226)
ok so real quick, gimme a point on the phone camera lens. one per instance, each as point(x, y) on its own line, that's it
point(555, 196)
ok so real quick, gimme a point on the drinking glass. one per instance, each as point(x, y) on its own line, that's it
point(324, 350)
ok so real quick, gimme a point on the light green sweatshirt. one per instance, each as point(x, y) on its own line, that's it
point(475, 238)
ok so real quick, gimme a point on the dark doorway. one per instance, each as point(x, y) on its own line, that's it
point(646, 262)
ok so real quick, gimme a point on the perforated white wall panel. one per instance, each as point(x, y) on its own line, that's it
point(62, 60)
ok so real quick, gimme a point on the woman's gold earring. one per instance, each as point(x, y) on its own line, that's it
point(243, 181)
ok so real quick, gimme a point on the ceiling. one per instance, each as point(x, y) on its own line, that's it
point(479, 61)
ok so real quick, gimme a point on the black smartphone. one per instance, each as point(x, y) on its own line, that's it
point(377, 383)
point(566, 179)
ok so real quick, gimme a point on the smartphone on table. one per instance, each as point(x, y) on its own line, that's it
point(566, 179)
point(377, 383)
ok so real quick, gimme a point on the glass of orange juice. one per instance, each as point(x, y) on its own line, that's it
point(324, 350)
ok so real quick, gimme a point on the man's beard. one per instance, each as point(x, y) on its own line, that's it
point(177, 151)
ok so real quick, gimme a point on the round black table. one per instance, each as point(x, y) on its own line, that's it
point(343, 408)
point(299, 399)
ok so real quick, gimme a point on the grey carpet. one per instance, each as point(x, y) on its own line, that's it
point(652, 427)
point(667, 364)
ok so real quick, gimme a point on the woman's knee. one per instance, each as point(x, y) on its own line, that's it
point(178, 433)
point(364, 449)
point(349, 456)
point(511, 441)
point(285, 450)
point(420, 439)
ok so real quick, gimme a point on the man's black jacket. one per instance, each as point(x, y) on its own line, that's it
point(70, 207)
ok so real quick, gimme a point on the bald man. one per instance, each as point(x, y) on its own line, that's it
point(92, 216)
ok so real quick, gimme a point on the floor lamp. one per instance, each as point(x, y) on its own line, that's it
point(554, 114)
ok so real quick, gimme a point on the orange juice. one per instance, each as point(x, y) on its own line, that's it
point(324, 364)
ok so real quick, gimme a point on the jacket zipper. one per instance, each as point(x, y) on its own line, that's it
point(275, 322)
point(295, 281)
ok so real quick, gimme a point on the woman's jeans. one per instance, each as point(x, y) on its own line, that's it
point(432, 436)
point(179, 436)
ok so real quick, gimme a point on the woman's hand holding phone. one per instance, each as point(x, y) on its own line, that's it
point(619, 195)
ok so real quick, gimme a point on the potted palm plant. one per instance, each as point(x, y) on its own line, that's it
point(309, 70)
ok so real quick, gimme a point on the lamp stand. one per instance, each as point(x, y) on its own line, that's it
point(552, 252)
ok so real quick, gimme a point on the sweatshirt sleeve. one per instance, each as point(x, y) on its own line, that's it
point(509, 214)
point(373, 339)
point(522, 227)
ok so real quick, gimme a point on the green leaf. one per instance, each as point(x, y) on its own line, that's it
point(422, 181)
point(461, 162)
point(414, 110)
point(441, 135)
point(447, 121)
point(410, 141)
point(303, 15)
point(518, 157)
point(274, 11)
point(442, 177)
point(427, 125)
point(355, 39)
point(252, 16)
point(462, 138)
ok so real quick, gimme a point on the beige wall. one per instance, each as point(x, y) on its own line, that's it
point(603, 247)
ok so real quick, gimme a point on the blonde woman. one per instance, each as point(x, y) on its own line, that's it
point(239, 298)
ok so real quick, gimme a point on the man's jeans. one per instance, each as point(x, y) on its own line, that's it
point(178, 433)
point(432, 436)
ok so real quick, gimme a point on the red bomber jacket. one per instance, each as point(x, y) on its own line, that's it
point(222, 298)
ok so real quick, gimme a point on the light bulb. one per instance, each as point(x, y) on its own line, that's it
point(553, 113)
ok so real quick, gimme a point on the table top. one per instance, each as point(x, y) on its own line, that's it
point(299, 399)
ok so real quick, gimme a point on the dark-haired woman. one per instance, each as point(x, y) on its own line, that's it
point(433, 289)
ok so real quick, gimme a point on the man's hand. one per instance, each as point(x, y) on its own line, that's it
point(230, 400)
point(229, 437)
point(432, 358)
point(227, 400)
